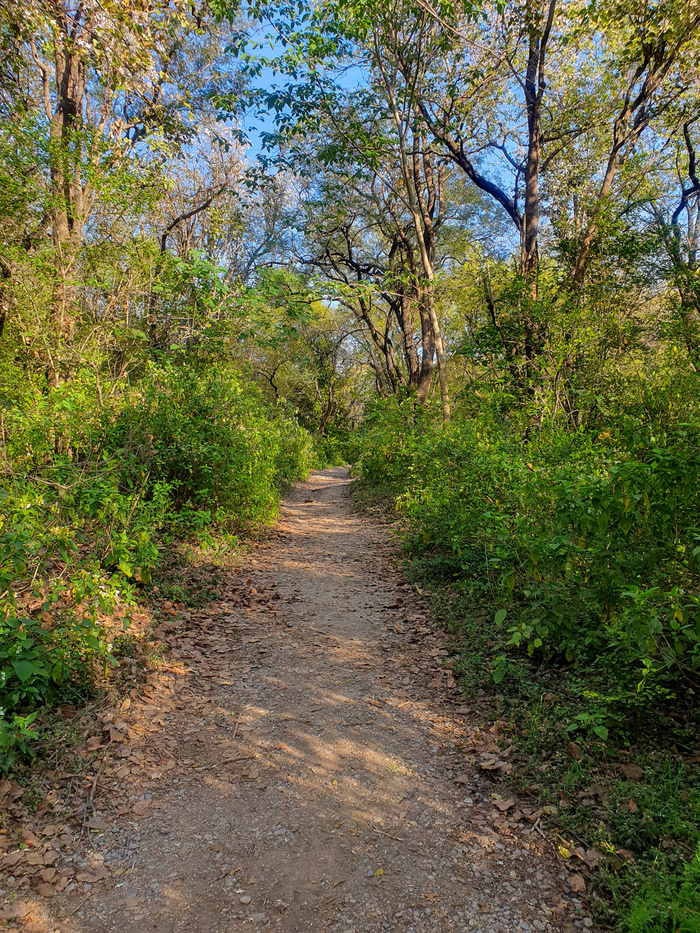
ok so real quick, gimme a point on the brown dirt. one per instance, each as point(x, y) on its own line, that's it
point(302, 762)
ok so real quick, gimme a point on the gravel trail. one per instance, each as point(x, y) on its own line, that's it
point(304, 762)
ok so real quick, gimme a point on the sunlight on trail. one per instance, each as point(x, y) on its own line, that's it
point(320, 780)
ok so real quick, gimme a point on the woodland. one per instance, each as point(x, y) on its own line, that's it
point(453, 243)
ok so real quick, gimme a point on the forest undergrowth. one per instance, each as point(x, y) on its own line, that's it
point(566, 569)
point(97, 502)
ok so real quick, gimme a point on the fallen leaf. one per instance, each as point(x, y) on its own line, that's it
point(91, 877)
point(565, 849)
point(592, 858)
point(14, 912)
point(13, 858)
point(495, 764)
point(10, 790)
point(577, 884)
point(504, 805)
point(575, 751)
point(97, 824)
point(632, 772)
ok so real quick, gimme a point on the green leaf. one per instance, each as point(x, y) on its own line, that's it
point(500, 616)
point(24, 670)
point(601, 732)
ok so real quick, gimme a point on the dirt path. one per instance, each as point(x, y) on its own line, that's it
point(305, 765)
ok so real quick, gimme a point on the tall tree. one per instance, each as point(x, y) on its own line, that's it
point(96, 99)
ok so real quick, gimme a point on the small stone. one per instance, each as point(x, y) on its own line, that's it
point(246, 899)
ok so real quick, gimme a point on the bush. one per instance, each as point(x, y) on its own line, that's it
point(589, 544)
point(581, 550)
point(212, 441)
point(670, 904)
point(91, 493)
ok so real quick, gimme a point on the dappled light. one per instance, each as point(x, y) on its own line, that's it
point(249, 249)
point(300, 786)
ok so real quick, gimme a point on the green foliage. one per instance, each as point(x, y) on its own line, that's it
point(211, 442)
point(38, 664)
point(568, 568)
point(93, 492)
point(16, 738)
point(590, 544)
point(668, 904)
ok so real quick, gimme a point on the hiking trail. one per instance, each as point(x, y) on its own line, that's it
point(304, 762)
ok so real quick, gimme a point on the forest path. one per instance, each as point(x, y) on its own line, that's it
point(305, 764)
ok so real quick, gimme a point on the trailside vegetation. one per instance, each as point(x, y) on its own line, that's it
point(454, 242)
point(517, 239)
point(136, 328)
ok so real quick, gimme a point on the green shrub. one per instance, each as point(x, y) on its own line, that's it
point(93, 491)
point(589, 544)
point(212, 441)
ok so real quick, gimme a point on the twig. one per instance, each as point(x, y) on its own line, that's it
point(228, 761)
point(388, 835)
point(238, 722)
point(81, 904)
point(91, 796)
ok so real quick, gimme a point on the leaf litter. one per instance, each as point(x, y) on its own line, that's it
point(413, 781)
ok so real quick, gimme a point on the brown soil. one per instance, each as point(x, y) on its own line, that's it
point(302, 762)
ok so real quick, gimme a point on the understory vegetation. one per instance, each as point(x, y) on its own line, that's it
point(95, 492)
point(567, 569)
point(455, 244)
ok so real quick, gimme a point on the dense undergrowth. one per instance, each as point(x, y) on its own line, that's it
point(568, 568)
point(95, 489)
